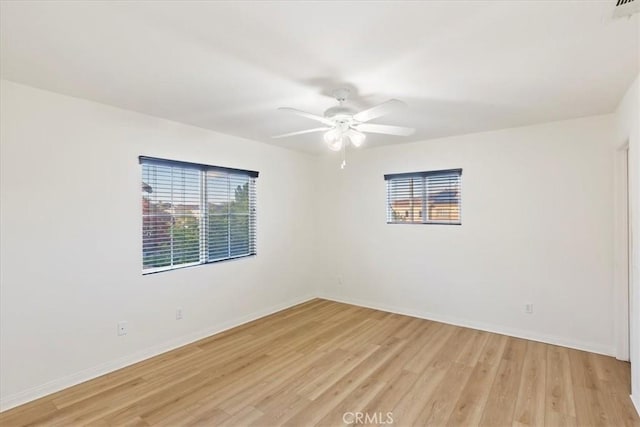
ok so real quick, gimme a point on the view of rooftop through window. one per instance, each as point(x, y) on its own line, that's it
point(424, 197)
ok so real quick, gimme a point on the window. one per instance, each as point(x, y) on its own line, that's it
point(431, 197)
point(195, 214)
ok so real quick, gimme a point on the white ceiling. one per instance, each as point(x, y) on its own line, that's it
point(461, 66)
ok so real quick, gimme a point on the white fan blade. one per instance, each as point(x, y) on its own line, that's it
point(307, 115)
point(386, 129)
point(301, 132)
point(378, 110)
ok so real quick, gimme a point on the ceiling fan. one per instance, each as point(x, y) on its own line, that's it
point(344, 124)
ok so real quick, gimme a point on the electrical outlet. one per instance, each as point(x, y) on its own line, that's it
point(123, 327)
point(178, 313)
point(528, 308)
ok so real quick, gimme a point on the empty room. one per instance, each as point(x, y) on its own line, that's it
point(301, 213)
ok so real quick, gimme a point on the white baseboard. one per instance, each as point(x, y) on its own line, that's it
point(13, 400)
point(517, 333)
point(636, 403)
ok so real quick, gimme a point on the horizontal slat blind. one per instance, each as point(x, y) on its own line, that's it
point(170, 216)
point(194, 214)
point(230, 215)
point(431, 197)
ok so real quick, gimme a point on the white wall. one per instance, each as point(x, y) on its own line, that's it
point(628, 132)
point(537, 226)
point(71, 247)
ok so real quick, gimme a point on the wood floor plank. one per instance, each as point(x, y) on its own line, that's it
point(370, 328)
point(194, 415)
point(261, 394)
point(389, 396)
point(330, 332)
point(491, 353)
point(408, 408)
point(414, 341)
point(347, 334)
point(327, 400)
point(470, 405)
point(223, 386)
point(468, 354)
point(353, 402)
point(282, 413)
point(559, 386)
point(593, 405)
point(424, 356)
point(530, 405)
point(625, 410)
point(242, 418)
point(212, 417)
point(312, 363)
point(558, 419)
point(612, 373)
point(473, 397)
point(437, 410)
point(500, 404)
point(320, 382)
point(450, 349)
point(583, 371)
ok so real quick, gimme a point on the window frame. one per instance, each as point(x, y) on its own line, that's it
point(203, 215)
point(424, 176)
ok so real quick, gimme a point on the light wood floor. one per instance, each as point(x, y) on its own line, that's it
point(315, 362)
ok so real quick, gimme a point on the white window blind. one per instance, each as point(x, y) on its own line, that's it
point(430, 197)
point(195, 214)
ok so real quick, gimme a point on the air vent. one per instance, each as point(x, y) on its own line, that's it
point(626, 8)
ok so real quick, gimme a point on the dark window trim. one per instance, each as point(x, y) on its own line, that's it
point(156, 160)
point(421, 174)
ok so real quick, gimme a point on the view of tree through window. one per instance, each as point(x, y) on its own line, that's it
point(195, 214)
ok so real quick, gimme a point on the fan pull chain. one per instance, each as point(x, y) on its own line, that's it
point(344, 156)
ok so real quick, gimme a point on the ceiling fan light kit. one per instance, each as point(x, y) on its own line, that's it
point(334, 139)
point(344, 125)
